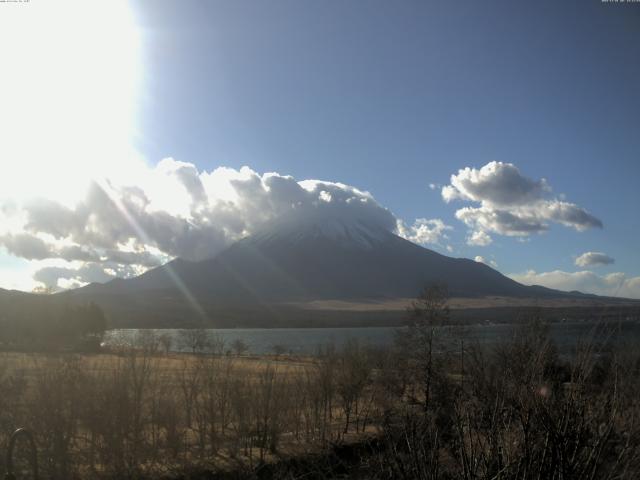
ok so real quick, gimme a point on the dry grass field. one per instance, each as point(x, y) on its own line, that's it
point(511, 411)
point(461, 303)
point(141, 413)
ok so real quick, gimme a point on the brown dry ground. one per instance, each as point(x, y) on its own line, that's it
point(170, 367)
point(460, 303)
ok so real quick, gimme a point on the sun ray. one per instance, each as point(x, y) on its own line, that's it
point(142, 235)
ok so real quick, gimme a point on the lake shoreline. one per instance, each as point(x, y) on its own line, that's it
point(308, 341)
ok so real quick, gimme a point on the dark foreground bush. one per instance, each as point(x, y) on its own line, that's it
point(519, 412)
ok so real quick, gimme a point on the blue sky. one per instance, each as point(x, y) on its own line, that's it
point(390, 97)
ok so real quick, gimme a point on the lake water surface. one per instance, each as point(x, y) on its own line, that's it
point(310, 340)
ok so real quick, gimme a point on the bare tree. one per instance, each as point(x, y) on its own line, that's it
point(166, 341)
point(239, 346)
point(427, 312)
point(217, 344)
point(278, 350)
point(352, 376)
point(148, 341)
point(195, 339)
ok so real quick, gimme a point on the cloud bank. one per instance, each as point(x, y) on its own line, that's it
point(589, 259)
point(175, 210)
point(613, 284)
point(510, 204)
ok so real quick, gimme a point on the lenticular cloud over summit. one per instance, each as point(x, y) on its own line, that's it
point(175, 210)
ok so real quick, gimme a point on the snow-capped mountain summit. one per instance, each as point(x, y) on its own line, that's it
point(355, 234)
point(259, 279)
point(304, 259)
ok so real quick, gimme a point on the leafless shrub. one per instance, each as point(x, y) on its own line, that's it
point(239, 346)
point(195, 340)
point(166, 341)
point(352, 376)
point(523, 413)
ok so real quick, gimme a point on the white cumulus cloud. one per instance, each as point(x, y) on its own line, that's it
point(614, 284)
point(589, 259)
point(479, 238)
point(424, 231)
point(481, 259)
point(175, 210)
point(510, 204)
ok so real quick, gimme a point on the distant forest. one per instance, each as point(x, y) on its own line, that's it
point(39, 321)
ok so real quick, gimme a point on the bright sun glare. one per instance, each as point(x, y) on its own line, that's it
point(70, 79)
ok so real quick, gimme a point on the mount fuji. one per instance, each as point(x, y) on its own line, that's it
point(264, 279)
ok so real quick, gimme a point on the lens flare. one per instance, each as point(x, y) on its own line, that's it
point(71, 74)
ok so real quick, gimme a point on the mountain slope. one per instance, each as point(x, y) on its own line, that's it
point(295, 274)
point(267, 279)
point(329, 260)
